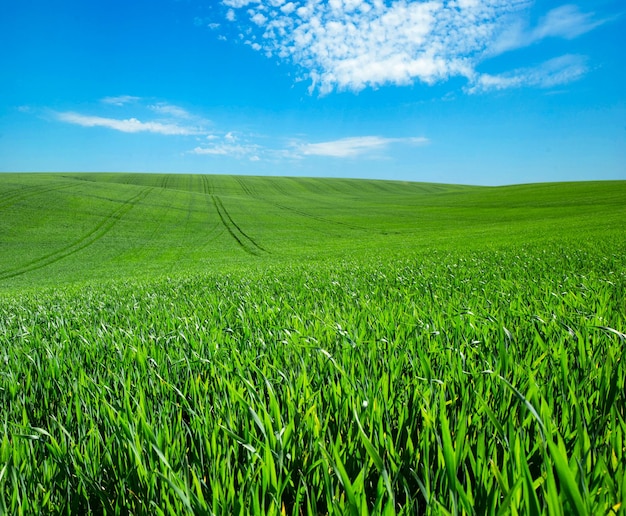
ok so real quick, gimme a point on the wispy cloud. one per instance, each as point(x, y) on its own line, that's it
point(229, 144)
point(555, 72)
point(173, 113)
point(354, 146)
point(164, 118)
point(141, 116)
point(297, 149)
point(129, 125)
point(163, 108)
point(354, 44)
point(222, 149)
point(120, 100)
point(566, 22)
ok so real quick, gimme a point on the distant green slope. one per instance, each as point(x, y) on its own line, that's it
point(63, 228)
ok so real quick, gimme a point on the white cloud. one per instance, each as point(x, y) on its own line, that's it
point(215, 150)
point(355, 44)
point(259, 19)
point(170, 110)
point(230, 144)
point(130, 125)
point(354, 146)
point(239, 3)
point(555, 72)
point(288, 8)
point(158, 118)
point(120, 100)
point(566, 22)
point(170, 119)
point(225, 149)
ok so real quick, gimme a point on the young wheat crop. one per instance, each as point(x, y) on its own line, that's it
point(489, 382)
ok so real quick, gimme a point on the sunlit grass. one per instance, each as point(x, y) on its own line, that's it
point(452, 379)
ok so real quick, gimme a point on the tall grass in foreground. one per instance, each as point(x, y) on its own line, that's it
point(444, 384)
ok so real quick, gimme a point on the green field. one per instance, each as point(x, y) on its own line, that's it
point(176, 344)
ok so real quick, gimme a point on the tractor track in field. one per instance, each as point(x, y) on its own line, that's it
point(206, 185)
point(101, 229)
point(251, 193)
point(208, 192)
point(246, 189)
point(246, 242)
point(317, 217)
point(26, 192)
point(192, 199)
point(211, 232)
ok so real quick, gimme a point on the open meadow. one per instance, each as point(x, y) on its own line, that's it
point(175, 344)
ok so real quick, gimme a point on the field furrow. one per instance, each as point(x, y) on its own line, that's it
point(326, 221)
point(206, 185)
point(84, 241)
point(243, 240)
point(29, 191)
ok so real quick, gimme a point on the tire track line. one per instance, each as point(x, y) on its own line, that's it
point(280, 190)
point(246, 189)
point(318, 217)
point(208, 190)
point(246, 242)
point(86, 240)
point(197, 197)
point(31, 191)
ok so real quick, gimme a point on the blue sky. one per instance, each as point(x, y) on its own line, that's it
point(458, 91)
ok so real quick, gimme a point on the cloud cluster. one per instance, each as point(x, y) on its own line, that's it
point(172, 120)
point(354, 44)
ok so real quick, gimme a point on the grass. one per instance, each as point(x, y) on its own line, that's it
point(223, 345)
point(72, 228)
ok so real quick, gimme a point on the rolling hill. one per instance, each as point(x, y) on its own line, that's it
point(71, 228)
point(178, 344)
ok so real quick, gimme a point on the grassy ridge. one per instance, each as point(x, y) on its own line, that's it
point(311, 346)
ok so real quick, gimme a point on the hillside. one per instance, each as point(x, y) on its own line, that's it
point(243, 345)
point(65, 228)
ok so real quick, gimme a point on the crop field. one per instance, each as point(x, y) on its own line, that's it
point(179, 344)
